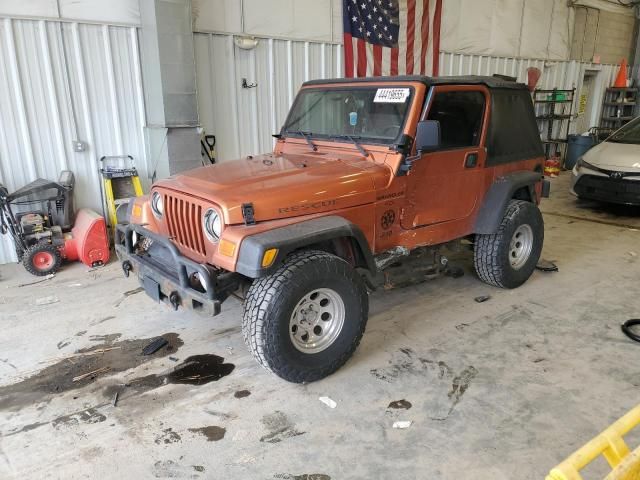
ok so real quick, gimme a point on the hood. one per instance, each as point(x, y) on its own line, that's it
point(282, 186)
point(615, 156)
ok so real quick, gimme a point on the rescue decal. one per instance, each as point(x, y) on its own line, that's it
point(308, 206)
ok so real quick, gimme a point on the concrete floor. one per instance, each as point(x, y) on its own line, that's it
point(503, 389)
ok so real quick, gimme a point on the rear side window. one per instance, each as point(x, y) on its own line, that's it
point(513, 134)
point(460, 115)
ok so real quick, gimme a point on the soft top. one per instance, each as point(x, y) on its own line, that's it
point(490, 82)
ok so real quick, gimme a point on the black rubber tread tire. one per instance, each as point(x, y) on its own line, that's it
point(626, 329)
point(490, 253)
point(27, 259)
point(271, 299)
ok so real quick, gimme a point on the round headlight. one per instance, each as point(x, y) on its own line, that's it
point(212, 225)
point(156, 204)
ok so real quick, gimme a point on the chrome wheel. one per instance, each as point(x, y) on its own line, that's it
point(520, 246)
point(317, 320)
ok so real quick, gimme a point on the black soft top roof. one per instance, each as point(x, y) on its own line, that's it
point(490, 82)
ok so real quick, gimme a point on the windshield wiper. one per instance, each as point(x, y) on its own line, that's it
point(354, 140)
point(307, 137)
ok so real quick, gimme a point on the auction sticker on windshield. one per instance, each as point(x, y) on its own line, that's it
point(391, 95)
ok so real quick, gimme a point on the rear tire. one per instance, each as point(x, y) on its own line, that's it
point(507, 258)
point(42, 259)
point(304, 321)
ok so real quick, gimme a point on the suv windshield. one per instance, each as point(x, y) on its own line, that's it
point(368, 114)
point(630, 133)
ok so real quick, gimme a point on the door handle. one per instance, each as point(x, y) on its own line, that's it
point(471, 160)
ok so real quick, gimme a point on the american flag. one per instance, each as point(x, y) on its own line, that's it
point(391, 37)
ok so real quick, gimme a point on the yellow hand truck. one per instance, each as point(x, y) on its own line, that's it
point(120, 183)
point(610, 444)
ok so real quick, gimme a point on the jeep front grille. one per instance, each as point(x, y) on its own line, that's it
point(184, 221)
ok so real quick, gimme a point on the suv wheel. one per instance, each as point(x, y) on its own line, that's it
point(508, 257)
point(304, 321)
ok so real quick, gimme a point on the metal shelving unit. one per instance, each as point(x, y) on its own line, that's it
point(618, 106)
point(554, 111)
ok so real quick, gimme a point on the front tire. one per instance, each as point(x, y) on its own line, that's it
point(305, 320)
point(507, 258)
point(42, 259)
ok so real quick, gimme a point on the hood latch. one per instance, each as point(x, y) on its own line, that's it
point(248, 214)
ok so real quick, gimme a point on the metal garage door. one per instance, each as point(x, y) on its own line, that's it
point(61, 82)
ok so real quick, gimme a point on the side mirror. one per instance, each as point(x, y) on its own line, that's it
point(428, 136)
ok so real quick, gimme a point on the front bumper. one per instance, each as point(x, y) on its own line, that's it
point(168, 276)
point(606, 186)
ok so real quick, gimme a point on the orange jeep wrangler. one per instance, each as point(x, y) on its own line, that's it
point(363, 171)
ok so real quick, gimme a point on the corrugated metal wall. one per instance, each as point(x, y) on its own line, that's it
point(243, 119)
point(61, 82)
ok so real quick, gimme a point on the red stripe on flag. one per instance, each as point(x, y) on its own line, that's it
point(395, 53)
point(425, 35)
point(377, 60)
point(411, 31)
point(437, 19)
point(362, 58)
point(348, 56)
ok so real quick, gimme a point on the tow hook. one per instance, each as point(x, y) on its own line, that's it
point(174, 300)
point(126, 268)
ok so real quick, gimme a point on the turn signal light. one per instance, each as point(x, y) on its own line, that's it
point(226, 248)
point(268, 257)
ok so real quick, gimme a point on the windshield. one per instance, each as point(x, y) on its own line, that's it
point(630, 133)
point(369, 114)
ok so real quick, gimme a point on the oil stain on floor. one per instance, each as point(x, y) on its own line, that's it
point(167, 436)
point(195, 370)
point(400, 404)
point(212, 432)
point(84, 366)
point(279, 427)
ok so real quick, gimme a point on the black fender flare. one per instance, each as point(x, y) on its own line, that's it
point(298, 235)
point(497, 197)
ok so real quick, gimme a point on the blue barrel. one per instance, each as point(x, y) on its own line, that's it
point(577, 145)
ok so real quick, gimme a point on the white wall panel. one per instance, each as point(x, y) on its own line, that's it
point(61, 82)
point(113, 11)
point(529, 29)
point(29, 8)
point(100, 11)
point(243, 119)
point(217, 15)
point(299, 19)
point(314, 20)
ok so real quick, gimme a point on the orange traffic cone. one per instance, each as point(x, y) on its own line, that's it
point(621, 79)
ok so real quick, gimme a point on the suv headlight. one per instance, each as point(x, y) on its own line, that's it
point(212, 225)
point(157, 205)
